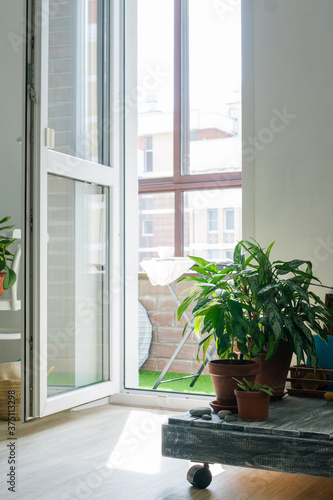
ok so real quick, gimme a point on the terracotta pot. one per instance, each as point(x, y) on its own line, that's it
point(2, 278)
point(222, 372)
point(252, 405)
point(274, 371)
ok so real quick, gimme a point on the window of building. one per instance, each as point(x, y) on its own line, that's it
point(229, 219)
point(149, 154)
point(228, 254)
point(147, 228)
point(212, 220)
point(190, 81)
point(213, 254)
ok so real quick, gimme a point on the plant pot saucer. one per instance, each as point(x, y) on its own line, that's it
point(278, 395)
point(217, 407)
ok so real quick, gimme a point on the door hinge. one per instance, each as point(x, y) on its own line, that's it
point(32, 94)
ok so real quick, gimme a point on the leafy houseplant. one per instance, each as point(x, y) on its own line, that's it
point(222, 312)
point(259, 306)
point(252, 400)
point(8, 275)
point(289, 310)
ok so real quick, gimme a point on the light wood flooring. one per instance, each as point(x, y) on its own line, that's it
point(113, 453)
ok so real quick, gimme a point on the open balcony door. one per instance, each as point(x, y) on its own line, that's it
point(74, 302)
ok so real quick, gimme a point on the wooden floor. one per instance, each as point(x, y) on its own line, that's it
point(113, 453)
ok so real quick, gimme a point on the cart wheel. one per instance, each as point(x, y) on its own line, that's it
point(200, 476)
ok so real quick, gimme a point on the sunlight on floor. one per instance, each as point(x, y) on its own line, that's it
point(138, 448)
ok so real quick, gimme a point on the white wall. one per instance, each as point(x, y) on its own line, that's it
point(288, 70)
point(11, 122)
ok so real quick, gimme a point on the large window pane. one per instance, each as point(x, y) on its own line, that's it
point(212, 223)
point(77, 276)
point(156, 223)
point(213, 142)
point(77, 73)
point(155, 88)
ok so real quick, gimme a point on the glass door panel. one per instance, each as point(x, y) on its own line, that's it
point(77, 77)
point(77, 299)
point(76, 203)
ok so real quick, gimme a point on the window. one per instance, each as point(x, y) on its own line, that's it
point(228, 254)
point(213, 254)
point(156, 217)
point(189, 82)
point(229, 219)
point(149, 154)
point(147, 228)
point(212, 220)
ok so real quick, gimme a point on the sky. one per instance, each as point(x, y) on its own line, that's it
point(215, 53)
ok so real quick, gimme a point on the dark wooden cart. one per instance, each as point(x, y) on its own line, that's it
point(297, 437)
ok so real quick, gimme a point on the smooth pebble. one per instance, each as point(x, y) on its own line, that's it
point(223, 413)
point(230, 418)
point(206, 417)
point(200, 411)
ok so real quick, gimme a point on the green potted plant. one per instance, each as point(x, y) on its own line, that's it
point(267, 310)
point(7, 275)
point(252, 400)
point(289, 311)
point(222, 313)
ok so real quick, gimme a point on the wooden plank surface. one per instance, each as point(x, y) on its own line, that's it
point(305, 418)
point(259, 451)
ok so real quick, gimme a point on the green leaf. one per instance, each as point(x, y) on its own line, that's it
point(9, 279)
point(205, 344)
point(186, 303)
point(201, 270)
point(294, 287)
point(205, 306)
point(268, 251)
point(235, 309)
point(288, 324)
point(197, 324)
point(242, 348)
point(274, 320)
point(218, 321)
point(224, 345)
point(200, 261)
point(212, 267)
point(302, 327)
point(191, 278)
point(2, 221)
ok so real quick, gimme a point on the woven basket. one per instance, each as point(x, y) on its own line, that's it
point(5, 412)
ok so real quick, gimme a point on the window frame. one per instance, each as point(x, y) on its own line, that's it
point(179, 182)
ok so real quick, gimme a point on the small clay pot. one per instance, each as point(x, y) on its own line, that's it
point(2, 279)
point(252, 405)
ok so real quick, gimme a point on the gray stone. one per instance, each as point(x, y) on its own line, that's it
point(230, 418)
point(206, 417)
point(201, 410)
point(223, 413)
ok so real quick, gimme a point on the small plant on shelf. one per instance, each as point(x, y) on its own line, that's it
point(252, 400)
point(6, 257)
point(247, 386)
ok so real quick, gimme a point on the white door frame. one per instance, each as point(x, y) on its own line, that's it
point(46, 161)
